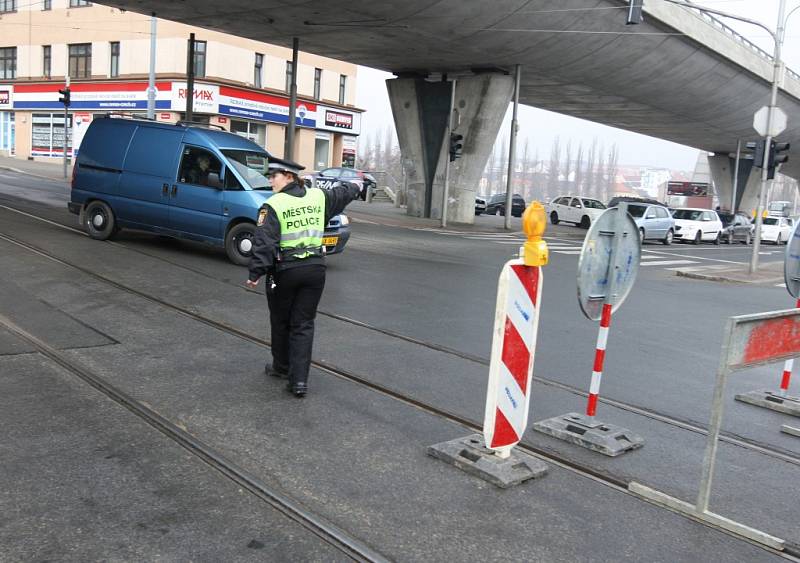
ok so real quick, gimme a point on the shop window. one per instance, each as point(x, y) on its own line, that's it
point(113, 72)
point(80, 60)
point(47, 134)
point(256, 132)
point(8, 62)
point(7, 131)
point(47, 58)
point(199, 59)
point(322, 149)
point(317, 83)
point(8, 6)
point(342, 88)
point(257, 69)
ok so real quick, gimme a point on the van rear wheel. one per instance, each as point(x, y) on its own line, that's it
point(99, 220)
point(239, 243)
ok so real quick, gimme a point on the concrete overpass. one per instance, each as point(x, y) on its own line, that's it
point(681, 75)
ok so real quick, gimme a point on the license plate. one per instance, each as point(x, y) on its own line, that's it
point(330, 241)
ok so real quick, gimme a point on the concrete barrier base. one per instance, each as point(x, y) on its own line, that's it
point(608, 439)
point(469, 454)
point(771, 400)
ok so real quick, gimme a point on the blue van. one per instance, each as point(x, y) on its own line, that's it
point(182, 181)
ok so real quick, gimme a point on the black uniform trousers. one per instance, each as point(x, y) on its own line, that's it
point(292, 309)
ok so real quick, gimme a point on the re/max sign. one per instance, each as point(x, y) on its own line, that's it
point(205, 95)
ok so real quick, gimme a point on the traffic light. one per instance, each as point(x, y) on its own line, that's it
point(635, 12)
point(456, 146)
point(758, 152)
point(776, 158)
point(64, 99)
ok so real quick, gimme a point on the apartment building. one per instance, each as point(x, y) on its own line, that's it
point(240, 84)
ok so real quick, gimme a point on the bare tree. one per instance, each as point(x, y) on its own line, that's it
point(523, 175)
point(579, 170)
point(567, 166)
point(589, 176)
point(554, 169)
point(599, 175)
point(611, 169)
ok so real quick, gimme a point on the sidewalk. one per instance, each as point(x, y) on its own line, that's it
point(768, 273)
point(48, 170)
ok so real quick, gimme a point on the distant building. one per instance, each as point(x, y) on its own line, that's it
point(241, 85)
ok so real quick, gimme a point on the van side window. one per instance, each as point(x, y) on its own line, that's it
point(199, 167)
point(231, 183)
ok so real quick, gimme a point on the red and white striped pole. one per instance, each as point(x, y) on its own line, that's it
point(599, 358)
point(787, 369)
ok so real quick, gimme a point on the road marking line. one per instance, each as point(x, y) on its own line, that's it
point(780, 285)
point(569, 252)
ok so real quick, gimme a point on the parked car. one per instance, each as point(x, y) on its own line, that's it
point(697, 225)
point(325, 179)
point(185, 182)
point(736, 226)
point(480, 205)
point(654, 222)
point(776, 230)
point(581, 211)
point(497, 205)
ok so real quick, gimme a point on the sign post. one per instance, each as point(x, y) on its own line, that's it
point(780, 400)
point(519, 290)
point(607, 270)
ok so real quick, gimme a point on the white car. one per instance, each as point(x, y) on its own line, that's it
point(776, 230)
point(575, 209)
point(697, 225)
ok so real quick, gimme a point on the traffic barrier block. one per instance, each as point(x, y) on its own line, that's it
point(771, 400)
point(584, 431)
point(786, 429)
point(470, 455)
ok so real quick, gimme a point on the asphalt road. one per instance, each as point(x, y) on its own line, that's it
point(438, 286)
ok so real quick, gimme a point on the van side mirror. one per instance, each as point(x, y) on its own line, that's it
point(214, 181)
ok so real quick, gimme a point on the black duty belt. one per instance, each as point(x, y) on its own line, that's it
point(291, 254)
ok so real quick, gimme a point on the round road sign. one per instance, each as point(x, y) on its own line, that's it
point(791, 263)
point(594, 265)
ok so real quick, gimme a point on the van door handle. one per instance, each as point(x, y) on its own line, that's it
point(165, 189)
point(174, 190)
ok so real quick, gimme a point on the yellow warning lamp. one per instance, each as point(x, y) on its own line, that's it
point(533, 223)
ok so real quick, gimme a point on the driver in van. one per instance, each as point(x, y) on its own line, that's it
point(198, 174)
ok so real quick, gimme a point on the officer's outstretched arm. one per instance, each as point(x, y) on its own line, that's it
point(337, 198)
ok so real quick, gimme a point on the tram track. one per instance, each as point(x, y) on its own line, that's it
point(330, 533)
point(665, 418)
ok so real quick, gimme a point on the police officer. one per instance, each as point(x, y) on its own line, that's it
point(288, 249)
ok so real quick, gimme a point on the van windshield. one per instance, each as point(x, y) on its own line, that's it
point(252, 166)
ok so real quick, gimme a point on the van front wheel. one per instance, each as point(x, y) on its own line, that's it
point(99, 220)
point(239, 243)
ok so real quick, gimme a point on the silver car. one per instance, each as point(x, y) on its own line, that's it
point(654, 222)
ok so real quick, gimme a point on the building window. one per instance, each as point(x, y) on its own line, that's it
point(289, 74)
point(8, 6)
point(114, 70)
point(47, 5)
point(79, 3)
point(47, 58)
point(47, 134)
point(80, 60)
point(199, 59)
point(342, 88)
point(317, 83)
point(8, 62)
point(257, 67)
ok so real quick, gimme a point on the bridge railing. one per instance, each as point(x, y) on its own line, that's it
point(725, 28)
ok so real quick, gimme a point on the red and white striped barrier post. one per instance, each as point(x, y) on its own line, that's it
point(599, 358)
point(516, 321)
point(787, 369)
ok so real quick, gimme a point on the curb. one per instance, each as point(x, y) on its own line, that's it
point(719, 278)
point(25, 172)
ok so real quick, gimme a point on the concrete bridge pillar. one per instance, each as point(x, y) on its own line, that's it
point(420, 110)
point(722, 168)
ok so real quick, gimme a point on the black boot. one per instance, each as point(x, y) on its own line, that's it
point(269, 370)
point(297, 389)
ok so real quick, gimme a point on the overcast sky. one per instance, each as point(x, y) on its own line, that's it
point(542, 126)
